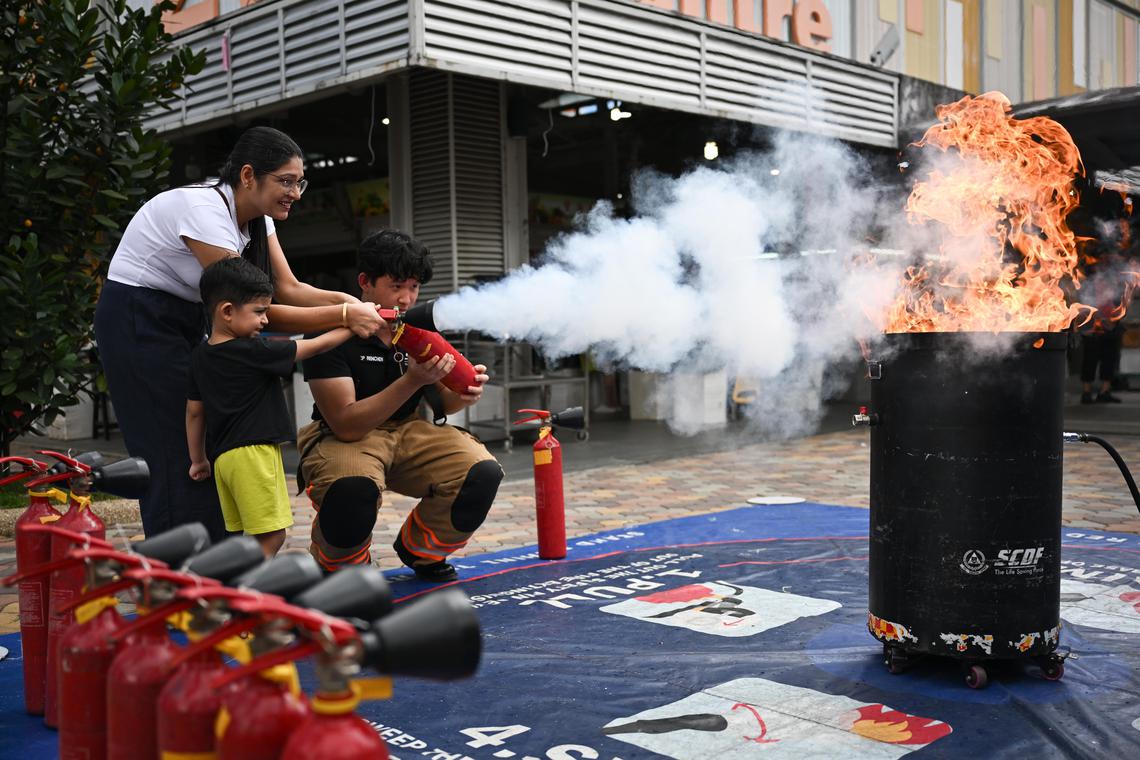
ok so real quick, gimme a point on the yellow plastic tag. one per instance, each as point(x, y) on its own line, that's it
point(52, 493)
point(45, 519)
point(237, 648)
point(84, 502)
point(286, 675)
point(543, 456)
point(372, 688)
point(180, 620)
point(188, 755)
point(222, 722)
point(87, 611)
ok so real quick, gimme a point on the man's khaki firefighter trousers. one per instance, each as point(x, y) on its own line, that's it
point(414, 458)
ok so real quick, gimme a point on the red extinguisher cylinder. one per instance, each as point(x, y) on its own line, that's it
point(33, 549)
point(85, 657)
point(327, 735)
point(188, 708)
point(260, 715)
point(66, 585)
point(423, 345)
point(549, 504)
point(134, 681)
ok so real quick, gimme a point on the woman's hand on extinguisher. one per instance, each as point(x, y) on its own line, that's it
point(431, 371)
point(362, 318)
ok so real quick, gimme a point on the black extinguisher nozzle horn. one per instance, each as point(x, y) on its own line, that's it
point(421, 315)
point(285, 576)
point(434, 637)
point(358, 593)
point(127, 478)
point(227, 560)
point(176, 545)
point(573, 418)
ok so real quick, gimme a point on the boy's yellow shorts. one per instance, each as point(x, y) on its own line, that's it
point(251, 486)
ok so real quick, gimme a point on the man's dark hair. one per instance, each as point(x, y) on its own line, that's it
point(232, 279)
point(392, 253)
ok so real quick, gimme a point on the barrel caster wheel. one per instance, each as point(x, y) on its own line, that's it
point(583, 435)
point(896, 661)
point(1053, 669)
point(976, 677)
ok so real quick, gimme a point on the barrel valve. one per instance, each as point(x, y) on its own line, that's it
point(864, 418)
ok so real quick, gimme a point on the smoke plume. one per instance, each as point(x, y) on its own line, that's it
point(740, 267)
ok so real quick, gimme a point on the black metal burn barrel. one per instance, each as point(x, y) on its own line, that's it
point(966, 467)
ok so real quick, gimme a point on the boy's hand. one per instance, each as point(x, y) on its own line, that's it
point(431, 371)
point(200, 470)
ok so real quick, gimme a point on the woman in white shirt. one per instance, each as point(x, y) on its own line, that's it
point(150, 315)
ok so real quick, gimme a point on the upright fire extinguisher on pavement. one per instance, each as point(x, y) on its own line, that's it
point(550, 505)
point(32, 549)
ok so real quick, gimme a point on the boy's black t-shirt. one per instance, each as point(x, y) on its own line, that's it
point(239, 384)
point(372, 366)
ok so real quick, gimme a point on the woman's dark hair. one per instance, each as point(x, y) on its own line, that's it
point(392, 253)
point(265, 149)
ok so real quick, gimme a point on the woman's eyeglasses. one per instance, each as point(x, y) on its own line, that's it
point(289, 183)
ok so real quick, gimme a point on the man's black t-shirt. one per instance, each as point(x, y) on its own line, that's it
point(239, 384)
point(371, 365)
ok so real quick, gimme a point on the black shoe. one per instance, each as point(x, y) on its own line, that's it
point(435, 572)
point(1107, 398)
point(1086, 398)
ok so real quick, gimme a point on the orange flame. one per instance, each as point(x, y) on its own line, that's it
point(999, 200)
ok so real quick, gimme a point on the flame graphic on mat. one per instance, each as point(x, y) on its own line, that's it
point(998, 197)
point(883, 724)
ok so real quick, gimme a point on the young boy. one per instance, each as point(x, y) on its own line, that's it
point(235, 412)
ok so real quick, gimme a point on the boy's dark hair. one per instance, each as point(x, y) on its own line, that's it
point(392, 253)
point(235, 280)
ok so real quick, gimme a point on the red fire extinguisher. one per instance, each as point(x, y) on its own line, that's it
point(435, 637)
point(86, 652)
point(32, 549)
point(550, 507)
point(423, 345)
point(186, 704)
point(259, 713)
point(67, 583)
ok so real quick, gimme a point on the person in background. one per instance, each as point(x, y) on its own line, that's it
point(149, 316)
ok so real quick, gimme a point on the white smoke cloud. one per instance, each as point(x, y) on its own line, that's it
point(725, 268)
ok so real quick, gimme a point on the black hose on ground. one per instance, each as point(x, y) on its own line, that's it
point(1087, 438)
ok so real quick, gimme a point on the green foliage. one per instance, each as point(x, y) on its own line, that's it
point(77, 79)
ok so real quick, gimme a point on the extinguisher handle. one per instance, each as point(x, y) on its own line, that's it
point(276, 657)
point(76, 557)
point(107, 589)
point(157, 616)
point(30, 467)
point(86, 540)
point(77, 467)
point(537, 415)
point(227, 631)
point(54, 477)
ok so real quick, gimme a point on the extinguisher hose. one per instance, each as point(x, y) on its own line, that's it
point(1088, 438)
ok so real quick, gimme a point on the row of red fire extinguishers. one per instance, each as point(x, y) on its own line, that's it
point(162, 685)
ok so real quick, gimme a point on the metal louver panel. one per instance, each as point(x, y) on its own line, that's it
point(284, 50)
point(636, 53)
point(455, 127)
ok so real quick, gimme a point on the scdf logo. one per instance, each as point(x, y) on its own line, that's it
point(974, 562)
point(1019, 561)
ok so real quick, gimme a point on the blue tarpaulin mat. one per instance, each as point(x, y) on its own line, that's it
point(740, 634)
